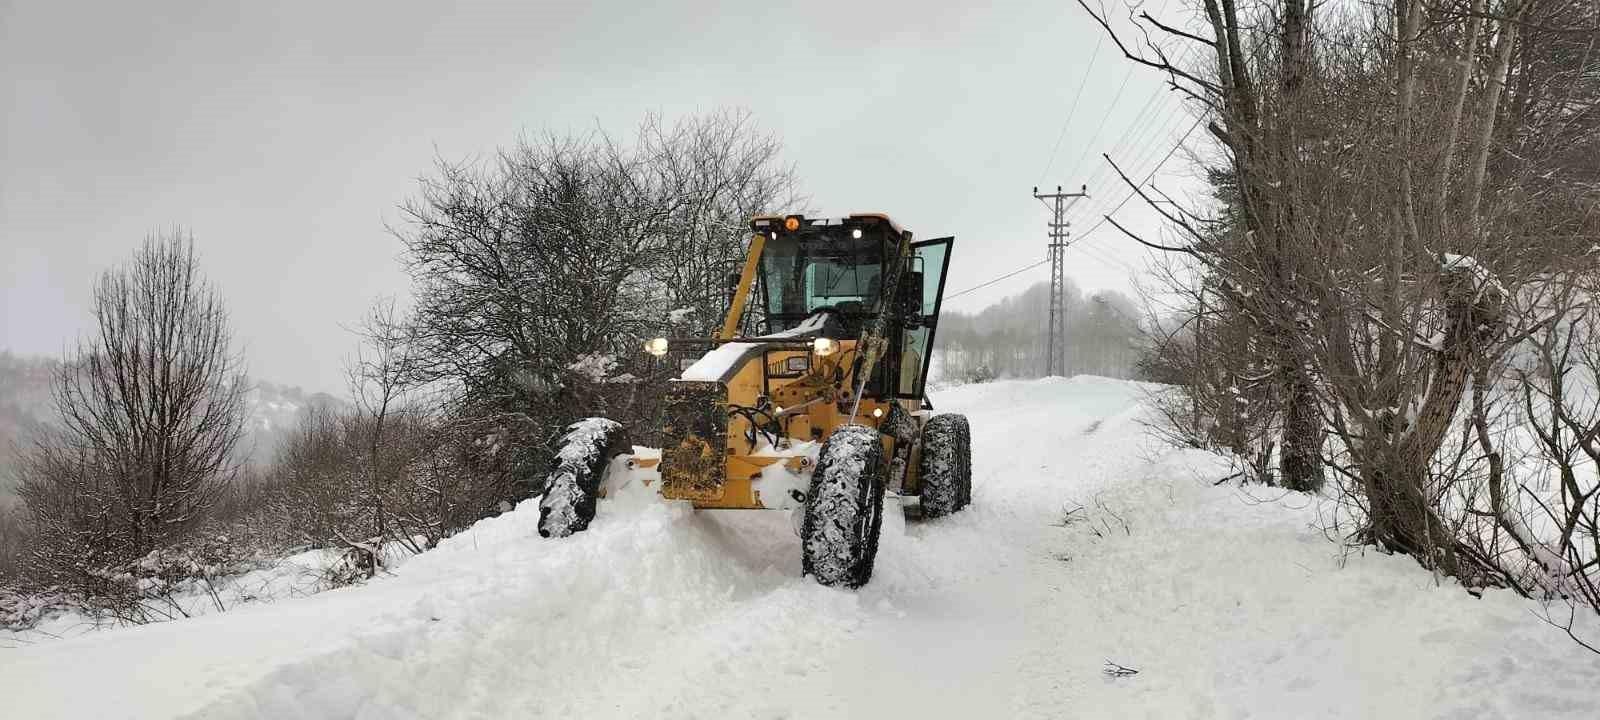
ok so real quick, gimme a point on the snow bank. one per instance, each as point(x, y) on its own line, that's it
point(1084, 544)
point(293, 577)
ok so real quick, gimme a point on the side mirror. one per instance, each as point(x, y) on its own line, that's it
point(911, 293)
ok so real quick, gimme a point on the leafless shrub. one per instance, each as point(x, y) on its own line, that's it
point(1546, 508)
point(344, 483)
point(151, 409)
point(1219, 395)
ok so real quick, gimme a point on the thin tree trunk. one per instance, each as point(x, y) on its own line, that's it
point(1488, 111)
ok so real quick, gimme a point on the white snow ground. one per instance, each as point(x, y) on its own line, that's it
point(1227, 605)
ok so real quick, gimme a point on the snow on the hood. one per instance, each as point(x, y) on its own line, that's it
point(1229, 602)
point(713, 365)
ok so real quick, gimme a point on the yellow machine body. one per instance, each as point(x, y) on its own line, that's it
point(744, 424)
point(689, 472)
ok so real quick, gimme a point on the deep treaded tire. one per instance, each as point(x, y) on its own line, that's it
point(574, 482)
point(844, 510)
point(965, 454)
point(945, 469)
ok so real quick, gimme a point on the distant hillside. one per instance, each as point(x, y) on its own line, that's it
point(25, 405)
point(274, 411)
point(1009, 338)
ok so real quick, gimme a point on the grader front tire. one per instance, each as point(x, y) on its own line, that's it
point(573, 486)
point(844, 510)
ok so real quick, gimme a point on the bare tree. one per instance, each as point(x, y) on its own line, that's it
point(1376, 224)
point(151, 409)
point(379, 378)
point(537, 274)
point(722, 170)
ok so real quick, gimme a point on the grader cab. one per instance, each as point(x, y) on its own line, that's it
point(822, 409)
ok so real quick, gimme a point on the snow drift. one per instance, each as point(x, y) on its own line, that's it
point(1084, 544)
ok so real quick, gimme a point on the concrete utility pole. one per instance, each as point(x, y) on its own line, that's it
point(1054, 354)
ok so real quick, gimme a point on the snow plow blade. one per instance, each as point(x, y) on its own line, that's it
point(694, 444)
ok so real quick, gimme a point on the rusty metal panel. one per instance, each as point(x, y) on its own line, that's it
point(695, 440)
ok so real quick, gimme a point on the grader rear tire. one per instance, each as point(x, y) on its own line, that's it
point(946, 465)
point(573, 486)
point(844, 510)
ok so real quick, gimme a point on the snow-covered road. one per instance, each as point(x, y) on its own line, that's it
point(1228, 605)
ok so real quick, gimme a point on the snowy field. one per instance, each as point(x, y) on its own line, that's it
point(1229, 605)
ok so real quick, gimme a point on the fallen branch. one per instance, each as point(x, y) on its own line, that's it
point(1114, 670)
point(1230, 477)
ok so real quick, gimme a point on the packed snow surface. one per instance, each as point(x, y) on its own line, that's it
point(1084, 544)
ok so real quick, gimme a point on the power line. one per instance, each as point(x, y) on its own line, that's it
point(1073, 109)
point(1139, 134)
point(1135, 152)
point(1170, 152)
point(1148, 142)
point(1126, 75)
point(1103, 255)
point(1134, 165)
point(1143, 127)
point(1131, 192)
point(981, 286)
point(1103, 116)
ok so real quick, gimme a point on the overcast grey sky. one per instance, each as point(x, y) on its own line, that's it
point(283, 134)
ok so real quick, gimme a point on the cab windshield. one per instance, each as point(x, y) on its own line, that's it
point(803, 273)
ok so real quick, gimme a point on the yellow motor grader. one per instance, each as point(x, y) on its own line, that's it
point(821, 409)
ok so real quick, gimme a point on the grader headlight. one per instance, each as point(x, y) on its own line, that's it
point(656, 347)
point(824, 347)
